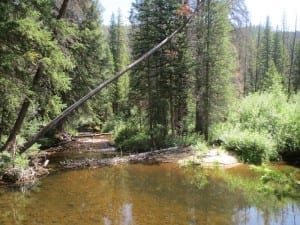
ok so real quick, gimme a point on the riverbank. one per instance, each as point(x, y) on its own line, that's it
point(153, 157)
point(98, 144)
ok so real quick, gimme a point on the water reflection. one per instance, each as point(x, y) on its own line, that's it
point(106, 221)
point(127, 214)
point(141, 195)
point(290, 215)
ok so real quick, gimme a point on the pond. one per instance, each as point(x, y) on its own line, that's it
point(140, 195)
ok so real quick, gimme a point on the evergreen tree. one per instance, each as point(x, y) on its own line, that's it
point(56, 62)
point(159, 84)
point(118, 45)
point(296, 80)
point(214, 66)
point(93, 64)
point(33, 60)
point(265, 54)
point(279, 56)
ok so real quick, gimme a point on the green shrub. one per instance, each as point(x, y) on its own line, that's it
point(182, 140)
point(264, 122)
point(260, 112)
point(7, 161)
point(288, 136)
point(251, 146)
point(200, 145)
point(131, 139)
point(110, 124)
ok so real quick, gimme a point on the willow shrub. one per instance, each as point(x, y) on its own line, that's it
point(251, 146)
point(262, 125)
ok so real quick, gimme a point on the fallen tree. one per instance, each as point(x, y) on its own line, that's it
point(152, 157)
point(97, 89)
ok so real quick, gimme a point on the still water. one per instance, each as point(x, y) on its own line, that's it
point(140, 195)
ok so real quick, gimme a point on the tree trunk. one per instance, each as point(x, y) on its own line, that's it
point(63, 9)
point(257, 69)
point(26, 103)
point(207, 76)
point(21, 116)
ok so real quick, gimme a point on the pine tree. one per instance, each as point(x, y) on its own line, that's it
point(159, 84)
point(214, 64)
point(56, 62)
point(39, 64)
point(279, 56)
point(118, 45)
point(296, 80)
point(93, 63)
point(265, 54)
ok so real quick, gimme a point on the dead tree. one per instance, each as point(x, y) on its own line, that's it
point(97, 89)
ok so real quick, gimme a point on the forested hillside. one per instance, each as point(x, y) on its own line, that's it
point(220, 80)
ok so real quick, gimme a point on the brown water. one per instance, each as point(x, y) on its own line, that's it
point(139, 195)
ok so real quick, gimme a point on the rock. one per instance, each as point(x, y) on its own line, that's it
point(211, 159)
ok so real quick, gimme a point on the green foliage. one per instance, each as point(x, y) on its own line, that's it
point(251, 146)
point(159, 85)
point(213, 65)
point(118, 45)
point(200, 145)
point(189, 139)
point(132, 139)
point(265, 53)
point(8, 161)
point(288, 136)
point(281, 182)
point(296, 77)
point(261, 126)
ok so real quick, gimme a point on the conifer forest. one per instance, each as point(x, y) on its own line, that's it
point(187, 113)
point(218, 81)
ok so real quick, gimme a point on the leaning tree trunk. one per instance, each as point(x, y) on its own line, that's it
point(26, 103)
point(93, 92)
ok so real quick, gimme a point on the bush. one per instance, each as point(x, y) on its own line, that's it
point(131, 139)
point(182, 140)
point(200, 145)
point(252, 147)
point(267, 123)
point(7, 161)
point(288, 136)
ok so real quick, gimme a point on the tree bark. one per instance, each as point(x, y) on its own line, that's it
point(63, 9)
point(26, 103)
point(21, 116)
